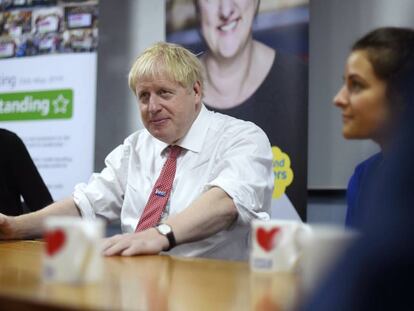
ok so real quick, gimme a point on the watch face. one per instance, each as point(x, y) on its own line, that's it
point(164, 228)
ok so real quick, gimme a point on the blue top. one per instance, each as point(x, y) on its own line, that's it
point(357, 184)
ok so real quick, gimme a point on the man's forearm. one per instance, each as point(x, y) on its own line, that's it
point(31, 225)
point(212, 212)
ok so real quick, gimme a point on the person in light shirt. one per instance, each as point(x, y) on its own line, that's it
point(223, 176)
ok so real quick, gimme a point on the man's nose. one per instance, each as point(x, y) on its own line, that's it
point(153, 104)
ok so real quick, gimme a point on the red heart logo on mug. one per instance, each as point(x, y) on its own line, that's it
point(55, 240)
point(266, 238)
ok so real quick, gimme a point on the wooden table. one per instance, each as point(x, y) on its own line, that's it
point(141, 283)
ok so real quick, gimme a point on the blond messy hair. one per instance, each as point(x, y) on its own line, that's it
point(170, 60)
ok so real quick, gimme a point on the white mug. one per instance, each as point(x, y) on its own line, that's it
point(72, 249)
point(275, 245)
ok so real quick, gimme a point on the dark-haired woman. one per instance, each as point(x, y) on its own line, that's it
point(372, 100)
point(376, 272)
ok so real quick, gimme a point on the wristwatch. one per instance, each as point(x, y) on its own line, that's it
point(166, 231)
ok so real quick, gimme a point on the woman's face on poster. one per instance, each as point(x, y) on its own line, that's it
point(226, 24)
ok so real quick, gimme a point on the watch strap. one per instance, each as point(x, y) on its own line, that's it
point(171, 238)
point(169, 235)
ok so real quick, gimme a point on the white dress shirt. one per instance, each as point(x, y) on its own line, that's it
point(218, 150)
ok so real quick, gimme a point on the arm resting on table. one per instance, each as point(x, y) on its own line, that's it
point(31, 225)
point(212, 212)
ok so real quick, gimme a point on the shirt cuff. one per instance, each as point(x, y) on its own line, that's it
point(82, 202)
point(247, 209)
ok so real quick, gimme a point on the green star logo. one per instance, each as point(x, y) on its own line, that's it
point(60, 104)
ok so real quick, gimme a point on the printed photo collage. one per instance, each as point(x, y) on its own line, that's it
point(37, 27)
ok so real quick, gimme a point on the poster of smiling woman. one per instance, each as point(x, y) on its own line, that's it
point(255, 57)
point(48, 83)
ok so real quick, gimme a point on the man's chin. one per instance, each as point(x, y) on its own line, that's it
point(165, 138)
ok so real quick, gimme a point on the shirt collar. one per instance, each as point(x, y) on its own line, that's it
point(194, 139)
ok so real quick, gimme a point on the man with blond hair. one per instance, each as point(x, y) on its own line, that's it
point(189, 183)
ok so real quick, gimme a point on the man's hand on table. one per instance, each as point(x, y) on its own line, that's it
point(7, 231)
point(148, 242)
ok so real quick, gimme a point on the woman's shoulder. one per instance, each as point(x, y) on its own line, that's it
point(6, 133)
point(368, 163)
point(359, 181)
point(9, 138)
point(363, 169)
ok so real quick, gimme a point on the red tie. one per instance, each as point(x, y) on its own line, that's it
point(160, 193)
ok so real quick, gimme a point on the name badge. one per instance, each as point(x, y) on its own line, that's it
point(160, 193)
